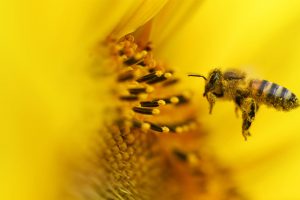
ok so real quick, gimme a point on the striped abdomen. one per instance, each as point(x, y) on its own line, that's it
point(274, 95)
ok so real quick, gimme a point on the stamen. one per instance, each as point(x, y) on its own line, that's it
point(143, 125)
point(129, 98)
point(150, 76)
point(158, 128)
point(146, 111)
point(164, 77)
point(137, 90)
point(154, 103)
point(171, 100)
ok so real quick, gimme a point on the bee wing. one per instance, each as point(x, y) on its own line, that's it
point(234, 74)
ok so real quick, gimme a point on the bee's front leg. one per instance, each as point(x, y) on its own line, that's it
point(211, 98)
point(249, 108)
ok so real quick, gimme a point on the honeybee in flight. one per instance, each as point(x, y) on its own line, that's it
point(247, 95)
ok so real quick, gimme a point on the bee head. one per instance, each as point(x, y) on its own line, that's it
point(213, 82)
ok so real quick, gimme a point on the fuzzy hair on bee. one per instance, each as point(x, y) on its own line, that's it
point(247, 94)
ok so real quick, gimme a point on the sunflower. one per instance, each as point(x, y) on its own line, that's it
point(96, 103)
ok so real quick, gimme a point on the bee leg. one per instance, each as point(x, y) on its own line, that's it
point(238, 103)
point(249, 109)
point(211, 98)
point(246, 126)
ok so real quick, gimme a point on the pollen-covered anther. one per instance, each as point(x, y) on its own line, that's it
point(174, 100)
point(161, 102)
point(165, 129)
point(155, 111)
point(145, 126)
point(167, 75)
point(159, 73)
point(146, 111)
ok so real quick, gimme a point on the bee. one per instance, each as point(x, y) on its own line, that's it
point(247, 94)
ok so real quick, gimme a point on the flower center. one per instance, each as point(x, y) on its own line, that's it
point(147, 90)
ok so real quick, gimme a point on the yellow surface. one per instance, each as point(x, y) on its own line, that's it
point(46, 108)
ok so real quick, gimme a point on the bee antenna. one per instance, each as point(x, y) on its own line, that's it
point(198, 75)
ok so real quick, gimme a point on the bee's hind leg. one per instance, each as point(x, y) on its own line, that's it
point(249, 108)
point(246, 126)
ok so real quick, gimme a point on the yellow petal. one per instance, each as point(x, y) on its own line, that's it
point(171, 19)
point(140, 13)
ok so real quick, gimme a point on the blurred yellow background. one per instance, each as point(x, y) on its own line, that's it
point(44, 106)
